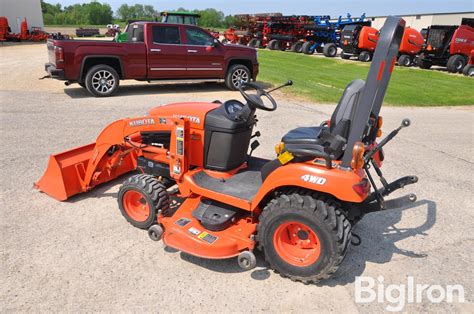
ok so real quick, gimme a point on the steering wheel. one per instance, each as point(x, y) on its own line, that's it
point(255, 100)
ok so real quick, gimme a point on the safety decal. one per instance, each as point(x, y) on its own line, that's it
point(182, 221)
point(209, 238)
point(194, 231)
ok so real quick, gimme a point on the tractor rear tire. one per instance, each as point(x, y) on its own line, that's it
point(456, 63)
point(306, 48)
point(404, 61)
point(272, 44)
point(365, 56)
point(102, 80)
point(139, 199)
point(330, 50)
point(304, 237)
point(345, 56)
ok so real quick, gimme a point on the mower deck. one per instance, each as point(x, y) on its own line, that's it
point(185, 233)
point(244, 184)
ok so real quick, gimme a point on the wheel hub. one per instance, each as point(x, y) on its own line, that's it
point(297, 244)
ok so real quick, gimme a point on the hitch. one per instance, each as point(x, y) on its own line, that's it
point(395, 203)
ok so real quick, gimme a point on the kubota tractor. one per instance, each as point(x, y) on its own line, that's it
point(201, 192)
point(359, 41)
point(411, 44)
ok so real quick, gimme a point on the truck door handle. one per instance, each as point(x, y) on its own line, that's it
point(192, 50)
point(155, 50)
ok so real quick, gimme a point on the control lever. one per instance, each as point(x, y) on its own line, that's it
point(289, 83)
point(257, 134)
point(405, 123)
point(253, 147)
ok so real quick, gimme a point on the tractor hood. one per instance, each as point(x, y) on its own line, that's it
point(195, 111)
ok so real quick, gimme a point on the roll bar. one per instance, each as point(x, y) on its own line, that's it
point(371, 98)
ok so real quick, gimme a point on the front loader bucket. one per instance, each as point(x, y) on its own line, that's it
point(65, 173)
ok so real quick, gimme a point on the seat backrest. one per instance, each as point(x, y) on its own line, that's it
point(344, 112)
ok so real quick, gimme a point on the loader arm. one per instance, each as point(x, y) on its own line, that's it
point(113, 153)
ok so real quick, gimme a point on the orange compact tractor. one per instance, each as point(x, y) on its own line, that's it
point(201, 192)
point(359, 41)
point(411, 44)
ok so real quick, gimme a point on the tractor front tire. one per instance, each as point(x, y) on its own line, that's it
point(253, 42)
point(272, 44)
point(297, 47)
point(456, 63)
point(140, 198)
point(468, 70)
point(404, 61)
point(304, 237)
point(423, 64)
point(330, 50)
point(102, 80)
point(306, 48)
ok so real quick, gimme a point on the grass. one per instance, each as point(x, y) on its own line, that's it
point(323, 80)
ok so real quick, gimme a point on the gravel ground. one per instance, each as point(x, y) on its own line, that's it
point(81, 255)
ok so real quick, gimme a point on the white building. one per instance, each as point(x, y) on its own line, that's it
point(419, 21)
point(16, 10)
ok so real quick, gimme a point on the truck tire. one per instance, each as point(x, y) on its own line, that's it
point(303, 236)
point(236, 74)
point(102, 80)
point(404, 61)
point(330, 50)
point(456, 63)
point(140, 198)
point(365, 56)
point(272, 44)
point(306, 48)
point(468, 70)
point(345, 56)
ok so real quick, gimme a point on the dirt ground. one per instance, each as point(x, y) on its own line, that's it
point(81, 255)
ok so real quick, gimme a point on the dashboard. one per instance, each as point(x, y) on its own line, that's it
point(233, 108)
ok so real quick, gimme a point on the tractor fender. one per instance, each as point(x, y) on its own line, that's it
point(336, 182)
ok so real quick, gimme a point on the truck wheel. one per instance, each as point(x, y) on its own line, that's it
point(404, 61)
point(468, 70)
point(330, 50)
point(306, 48)
point(235, 75)
point(253, 42)
point(272, 44)
point(140, 198)
point(365, 56)
point(456, 63)
point(303, 237)
point(102, 80)
point(345, 56)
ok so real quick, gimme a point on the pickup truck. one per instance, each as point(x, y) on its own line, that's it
point(153, 51)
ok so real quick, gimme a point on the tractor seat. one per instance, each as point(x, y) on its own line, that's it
point(322, 140)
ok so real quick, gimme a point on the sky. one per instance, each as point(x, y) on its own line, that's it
point(300, 7)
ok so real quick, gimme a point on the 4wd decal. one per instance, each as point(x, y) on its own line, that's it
point(313, 179)
point(140, 122)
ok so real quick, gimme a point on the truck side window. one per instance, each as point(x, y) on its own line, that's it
point(197, 37)
point(135, 33)
point(166, 35)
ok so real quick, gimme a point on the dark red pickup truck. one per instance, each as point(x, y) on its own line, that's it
point(153, 51)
